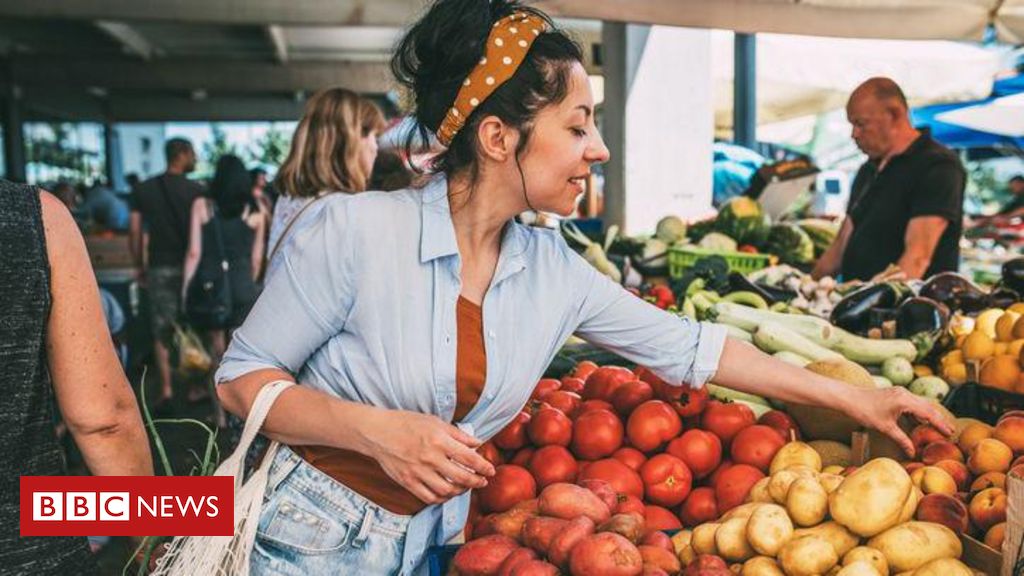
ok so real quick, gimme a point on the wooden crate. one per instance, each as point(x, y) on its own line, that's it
point(108, 252)
point(1013, 560)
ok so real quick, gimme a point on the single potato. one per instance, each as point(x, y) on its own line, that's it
point(703, 540)
point(731, 541)
point(858, 568)
point(807, 556)
point(863, 553)
point(871, 499)
point(944, 567)
point(807, 502)
point(914, 544)
point(768, 529)
point(761, 566)
point(835, 534)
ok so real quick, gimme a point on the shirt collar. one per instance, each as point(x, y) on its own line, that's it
point(437, 238)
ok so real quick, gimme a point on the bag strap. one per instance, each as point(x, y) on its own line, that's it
point(219, 236)
point(253, 424)
point(291, 222)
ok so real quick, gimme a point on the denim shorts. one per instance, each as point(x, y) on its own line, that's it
point(311, 524)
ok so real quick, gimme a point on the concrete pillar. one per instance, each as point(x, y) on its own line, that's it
point(744, 108)
point(14, 137)
point(659, 124)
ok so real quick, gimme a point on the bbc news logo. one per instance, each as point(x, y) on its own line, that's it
point(127, 505)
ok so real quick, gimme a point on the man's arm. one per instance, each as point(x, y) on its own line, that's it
point(135, 243)
point(92, 392)
point(831, 261)
point(921, 239)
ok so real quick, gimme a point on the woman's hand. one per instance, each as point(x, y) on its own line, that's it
point(882, 409)
point(429, 457)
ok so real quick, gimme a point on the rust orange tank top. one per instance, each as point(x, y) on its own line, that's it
point(363, 474)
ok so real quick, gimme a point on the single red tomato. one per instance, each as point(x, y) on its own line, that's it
point(630, 395)
point(686, 401)
point(589, 405)
point(667, 480)
point(700, 506)
point(584, 369)
point(622, 479)
point(604, 381)
point(627, 503)
point(713, 479)
point(572, 384)
point(630, 457)
point(509, 486)
point(522, 457)
point(727, 419)
point(659, 518)
point(567, 402)
point(596, 434)
point(513, 435)
point(491, 453)
point(550, 426)
point(651, 425)
point(756, 445)
point(550, 464)
point(544, 386)
point(699, 449)
point(734, 484)
point(781, 422)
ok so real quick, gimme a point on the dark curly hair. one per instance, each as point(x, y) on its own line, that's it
point(443, 47)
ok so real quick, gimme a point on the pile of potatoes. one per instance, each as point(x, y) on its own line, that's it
point(803, 521)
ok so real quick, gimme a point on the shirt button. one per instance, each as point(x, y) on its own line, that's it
point(447, 339)
point(490, 334)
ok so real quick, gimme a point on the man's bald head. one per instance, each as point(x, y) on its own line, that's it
point(878, 111)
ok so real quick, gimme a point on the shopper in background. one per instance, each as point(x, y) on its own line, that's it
point(1013, 209)
point(906, 202)
point(159, 232)
point(54, 344)
point(333, 150)
point(228, 226)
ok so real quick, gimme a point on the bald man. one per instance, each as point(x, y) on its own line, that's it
point(906, 204)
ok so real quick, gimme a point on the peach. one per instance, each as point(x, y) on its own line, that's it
point(925, 434)
point(933, 480)
point(990, 455)
point(941, 450)
point(989, 480)
point(988, 508)
point(944, 509)
point(995, 535)
point(911, 467)
point(972, 433)
point(958, 470)
point(1011, 414)
point(1010, 431)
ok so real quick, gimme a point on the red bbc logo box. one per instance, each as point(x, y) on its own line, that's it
point(127, 505)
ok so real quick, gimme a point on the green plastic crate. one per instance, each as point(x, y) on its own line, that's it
point(683, 257)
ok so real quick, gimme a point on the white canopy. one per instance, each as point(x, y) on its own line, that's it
point(900, 19)
point(799, 75)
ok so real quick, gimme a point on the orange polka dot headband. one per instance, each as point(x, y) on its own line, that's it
point(509, 41)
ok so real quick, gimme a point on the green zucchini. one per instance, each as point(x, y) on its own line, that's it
point(792, 358)
point(747, 298)
point(729, 395)
point(738, 333)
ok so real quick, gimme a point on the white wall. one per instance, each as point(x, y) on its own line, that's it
point(669, 129)
point(142, 148)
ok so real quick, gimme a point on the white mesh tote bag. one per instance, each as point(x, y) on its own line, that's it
point(229, 555)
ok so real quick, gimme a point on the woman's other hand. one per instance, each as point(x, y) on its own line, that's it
point(882, 410)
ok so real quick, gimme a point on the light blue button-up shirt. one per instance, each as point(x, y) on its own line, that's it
point(364, 308)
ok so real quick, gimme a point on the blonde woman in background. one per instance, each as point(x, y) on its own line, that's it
point(333, 150)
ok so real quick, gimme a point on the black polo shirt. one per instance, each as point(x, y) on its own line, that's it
point(927, 179)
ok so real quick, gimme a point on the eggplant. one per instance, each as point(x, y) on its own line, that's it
point(921, 316)
point(854, 312)
point(1002, 297)
point(739, 283)
point(955, 291)
point(1013, 275)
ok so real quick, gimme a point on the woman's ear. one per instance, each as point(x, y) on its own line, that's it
point(498, 140)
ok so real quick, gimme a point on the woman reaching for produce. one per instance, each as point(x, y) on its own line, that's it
point(415, 344)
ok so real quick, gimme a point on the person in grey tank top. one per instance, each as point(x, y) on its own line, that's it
point(54, 345)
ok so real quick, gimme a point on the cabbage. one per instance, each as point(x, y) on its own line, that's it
point(718, 241)
point(671, 229)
